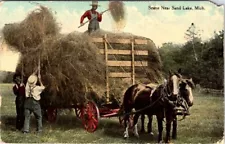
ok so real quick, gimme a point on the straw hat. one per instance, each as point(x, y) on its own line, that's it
point(94, 3)
point(32, 80)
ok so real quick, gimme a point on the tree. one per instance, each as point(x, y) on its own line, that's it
point(193, 35)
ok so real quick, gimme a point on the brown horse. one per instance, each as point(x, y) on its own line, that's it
point(154, 101)
point(183, 101)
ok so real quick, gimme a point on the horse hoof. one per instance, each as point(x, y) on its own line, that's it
point(125, 136)
point(160, 142)
point(151, 133)
point(169, 142)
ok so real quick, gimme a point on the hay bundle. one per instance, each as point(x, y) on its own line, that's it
point(117, 10)
point(71, 65)
point(28, 34)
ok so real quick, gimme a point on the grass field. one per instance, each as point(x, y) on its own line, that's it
point(205, 125)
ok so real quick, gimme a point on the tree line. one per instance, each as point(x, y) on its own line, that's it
point(203, 61)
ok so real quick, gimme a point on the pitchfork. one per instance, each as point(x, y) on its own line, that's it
point(93, 18)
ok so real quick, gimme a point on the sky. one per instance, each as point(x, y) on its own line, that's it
point(159, 25)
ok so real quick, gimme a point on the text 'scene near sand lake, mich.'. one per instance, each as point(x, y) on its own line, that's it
point(176, 7)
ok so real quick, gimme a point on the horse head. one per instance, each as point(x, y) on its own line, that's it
point(173, 84)
point(186, 87)
point(178, 86)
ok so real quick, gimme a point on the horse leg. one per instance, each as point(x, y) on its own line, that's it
point(174, 132)
point(150, 125)
point(169, 119)
point(126, 126)
point(143, 123)
point(135, 130)
point(160, 128)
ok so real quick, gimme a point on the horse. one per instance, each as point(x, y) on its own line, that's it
point(186, 87)
point(154, 101)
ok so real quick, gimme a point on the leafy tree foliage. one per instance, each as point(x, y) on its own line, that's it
point(207, 70)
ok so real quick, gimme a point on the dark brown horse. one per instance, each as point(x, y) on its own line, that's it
point(183, 102)
point(154, 101)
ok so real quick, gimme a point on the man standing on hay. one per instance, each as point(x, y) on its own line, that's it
point(32, 104)
point(93, 16)
point(19, 91)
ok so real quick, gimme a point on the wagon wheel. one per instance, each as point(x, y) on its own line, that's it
point(78, 112)
point(90, 116)
point(131, 119)
point(51, 114)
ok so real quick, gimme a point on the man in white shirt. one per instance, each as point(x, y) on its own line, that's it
point(32, 104)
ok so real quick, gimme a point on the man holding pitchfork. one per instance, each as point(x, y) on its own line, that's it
point(32, 104)
point(93, 16)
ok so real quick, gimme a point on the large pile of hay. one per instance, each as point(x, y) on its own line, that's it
point(71, 65)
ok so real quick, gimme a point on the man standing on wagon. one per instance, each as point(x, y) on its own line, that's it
point(93, 16)
point(32, 104)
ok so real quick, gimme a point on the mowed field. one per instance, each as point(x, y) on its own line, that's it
point(205, 125)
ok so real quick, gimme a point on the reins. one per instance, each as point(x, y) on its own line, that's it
point(152, 104)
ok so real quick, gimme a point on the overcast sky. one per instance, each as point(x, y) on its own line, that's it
point(159, 25)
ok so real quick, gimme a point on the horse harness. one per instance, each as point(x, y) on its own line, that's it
point(164, 94)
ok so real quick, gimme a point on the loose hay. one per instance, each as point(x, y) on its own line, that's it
point(117, 10)
point(28, 34)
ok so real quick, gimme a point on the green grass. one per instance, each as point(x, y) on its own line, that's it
point(205, 125)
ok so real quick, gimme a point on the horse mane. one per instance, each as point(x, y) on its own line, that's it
point(190, 83)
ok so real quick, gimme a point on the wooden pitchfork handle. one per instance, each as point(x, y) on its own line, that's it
point(39, 65)
point(92, 18)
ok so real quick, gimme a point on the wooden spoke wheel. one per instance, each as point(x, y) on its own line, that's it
point(51, 114)
point(78, 112)
point(90, 116)
point(131, 120)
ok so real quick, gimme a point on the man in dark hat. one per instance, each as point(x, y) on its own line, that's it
point(93, 16)
point(19, 91)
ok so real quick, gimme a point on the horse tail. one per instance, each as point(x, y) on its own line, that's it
point(128, 96)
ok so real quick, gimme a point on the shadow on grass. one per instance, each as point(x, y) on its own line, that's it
point(67, 122)
point(114, 130)
point(8, 123)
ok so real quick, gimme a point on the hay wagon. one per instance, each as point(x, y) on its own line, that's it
point(90, 113)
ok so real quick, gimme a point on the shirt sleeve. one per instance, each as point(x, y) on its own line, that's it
point(27, 90)
point(99, 17)
point(86, 14)
point(15, 90)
